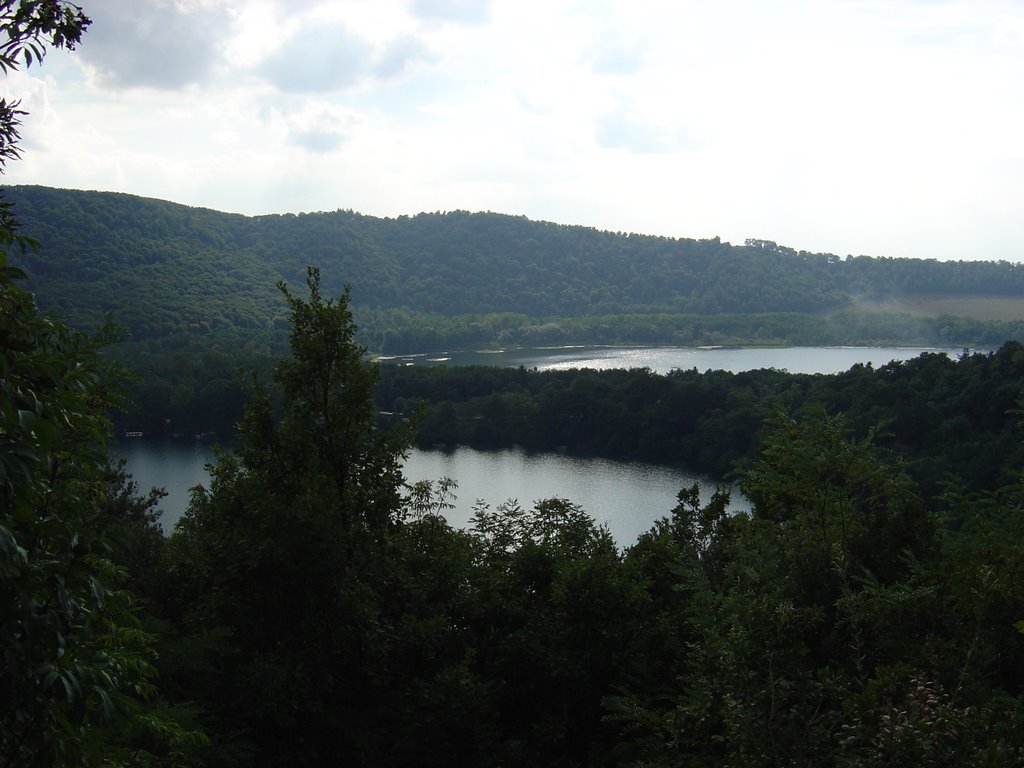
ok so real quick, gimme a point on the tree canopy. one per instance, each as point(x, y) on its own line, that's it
point(448, 279)
point(312, 609)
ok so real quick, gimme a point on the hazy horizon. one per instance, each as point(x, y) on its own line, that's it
point(875, 128)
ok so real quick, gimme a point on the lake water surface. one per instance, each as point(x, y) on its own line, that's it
point(665, 359)
point(627, 496)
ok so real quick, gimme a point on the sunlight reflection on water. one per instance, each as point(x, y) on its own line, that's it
point(627, 496)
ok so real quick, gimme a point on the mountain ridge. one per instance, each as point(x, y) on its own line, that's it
point(167, 269)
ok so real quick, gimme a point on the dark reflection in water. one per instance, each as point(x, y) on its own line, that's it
point(175, 464)
point(626, 496)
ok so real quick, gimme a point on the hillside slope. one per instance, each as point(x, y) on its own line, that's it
point(165, 269)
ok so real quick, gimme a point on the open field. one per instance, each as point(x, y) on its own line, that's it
point(979, 307)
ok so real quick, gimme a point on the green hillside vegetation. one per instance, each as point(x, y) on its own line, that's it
point(168, 271)
point(311, 609)
point(194, 290)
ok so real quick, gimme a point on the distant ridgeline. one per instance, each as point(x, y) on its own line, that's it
point(439, 280)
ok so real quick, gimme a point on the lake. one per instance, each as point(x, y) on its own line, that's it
point(627, 496)
point(665, 359)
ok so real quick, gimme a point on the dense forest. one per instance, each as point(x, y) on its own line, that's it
point(433, 280)
point(192, 290)
point(313, 609)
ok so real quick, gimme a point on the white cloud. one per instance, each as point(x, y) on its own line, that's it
point(851, 127)
point(623, 129)
point(398, 55)
point(157, 44)
point(320, 128)
point(462, 11)
point(318, 58)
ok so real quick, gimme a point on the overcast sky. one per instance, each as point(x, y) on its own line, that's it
point(880, 127)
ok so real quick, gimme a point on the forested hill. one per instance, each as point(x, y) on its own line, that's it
point(167, 269)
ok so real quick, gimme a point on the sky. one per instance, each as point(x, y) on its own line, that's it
point(878, 127)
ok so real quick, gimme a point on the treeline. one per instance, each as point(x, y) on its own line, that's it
point(189, 384)
point(188, 388)
point(311, 609)
point(944, 417)
point(405, 330)
point(177, 274)
point(941, 415)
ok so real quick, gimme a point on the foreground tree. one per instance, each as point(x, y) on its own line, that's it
point(76, 669)
point(839, 623)
point(76, 678)
point(286, 560)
